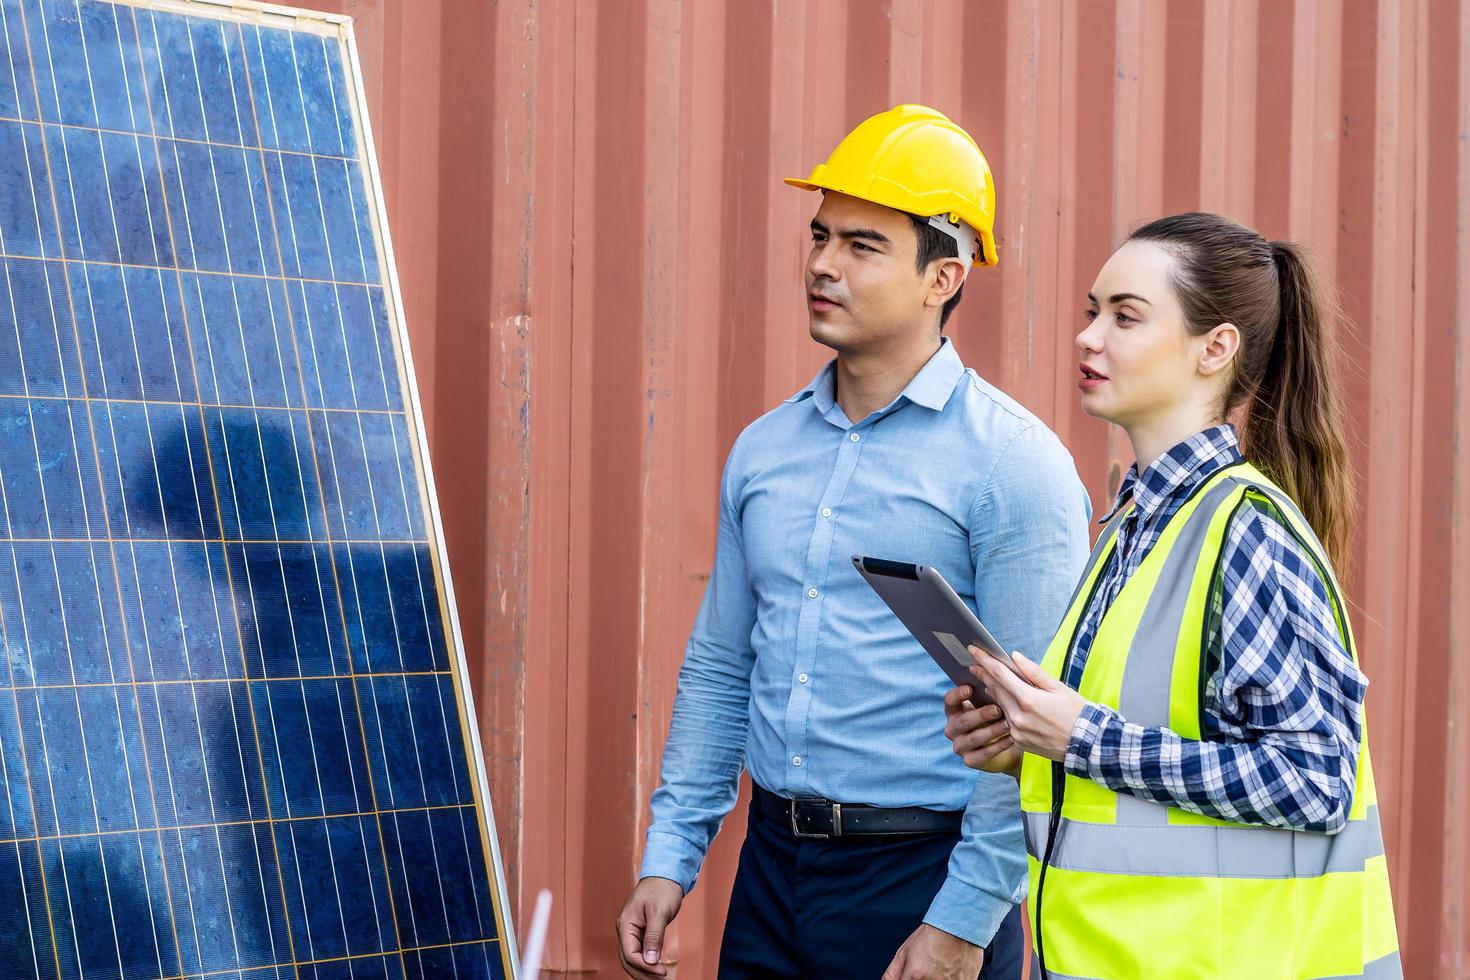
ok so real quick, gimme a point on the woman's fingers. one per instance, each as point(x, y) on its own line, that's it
point(1034, 673)
point(997, 672)
point(989, 673)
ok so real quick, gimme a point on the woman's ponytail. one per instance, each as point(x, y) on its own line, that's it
point(1285, 382)
point(1294, 422)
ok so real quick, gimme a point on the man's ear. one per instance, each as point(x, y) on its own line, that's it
point(948, 276)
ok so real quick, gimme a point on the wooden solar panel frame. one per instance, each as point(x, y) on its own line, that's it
point(339, 27)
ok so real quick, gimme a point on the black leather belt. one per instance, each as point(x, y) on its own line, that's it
point(821, 819)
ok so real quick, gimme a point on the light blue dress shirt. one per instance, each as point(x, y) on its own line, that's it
point(796, 669)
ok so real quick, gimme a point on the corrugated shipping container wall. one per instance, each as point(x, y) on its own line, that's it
point(601, 274)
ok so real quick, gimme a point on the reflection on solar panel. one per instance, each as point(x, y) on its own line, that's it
point(233, 723)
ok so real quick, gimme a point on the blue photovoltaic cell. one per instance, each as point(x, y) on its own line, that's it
point(232, 727)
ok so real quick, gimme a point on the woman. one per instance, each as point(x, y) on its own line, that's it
point(1195, 784)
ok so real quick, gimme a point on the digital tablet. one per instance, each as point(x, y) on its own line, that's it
point(936, 616)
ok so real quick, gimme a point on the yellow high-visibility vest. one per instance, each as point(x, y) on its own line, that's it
point(1123, 889)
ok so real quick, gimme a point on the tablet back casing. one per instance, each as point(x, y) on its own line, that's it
point(934, 614)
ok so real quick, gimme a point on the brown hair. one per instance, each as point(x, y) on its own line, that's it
point(1286, 369)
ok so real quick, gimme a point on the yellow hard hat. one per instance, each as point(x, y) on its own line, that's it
point(913, 158)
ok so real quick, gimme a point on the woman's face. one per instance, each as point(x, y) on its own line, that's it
point(1138, 360)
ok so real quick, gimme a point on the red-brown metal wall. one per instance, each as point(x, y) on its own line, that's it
point(601, 273)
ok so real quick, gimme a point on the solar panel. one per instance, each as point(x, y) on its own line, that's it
point(235, 725)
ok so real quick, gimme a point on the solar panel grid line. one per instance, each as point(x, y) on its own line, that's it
point(10, 801)
point(190, 140)
point(71, 665)
point(164, 402)
point(413, 724)
point(447, 607)
point(374, 507)
point(163, 682)
point(26, 766)
point(112, 547)
point(204, 756)
point(26, 769)
point(30, 791)
point(255, 12)
point(84, 284)
point(144, 266)
point(188, 666)
point(403, 492)
point(355, 782)
point(359, 957)
point(271, 509)
point(270, 102)
point(152, 449)
point(251, 822)
point(316, 768)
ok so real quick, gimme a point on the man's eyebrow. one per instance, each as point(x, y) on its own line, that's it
point(868, 234)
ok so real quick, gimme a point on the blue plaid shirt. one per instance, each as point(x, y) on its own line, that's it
point(1284, 701)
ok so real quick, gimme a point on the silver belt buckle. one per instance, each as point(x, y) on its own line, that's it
point(807, 835)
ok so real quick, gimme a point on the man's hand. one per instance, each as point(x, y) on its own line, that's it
point(933, 954)
point(980, 736)
point(641, 925)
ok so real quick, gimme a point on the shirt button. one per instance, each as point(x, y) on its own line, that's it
point(802, 678)
point(811, 593)
point(796, 760)
point(826, 511)
point(854, 436)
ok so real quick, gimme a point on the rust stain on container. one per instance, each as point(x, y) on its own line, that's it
point(601, 275)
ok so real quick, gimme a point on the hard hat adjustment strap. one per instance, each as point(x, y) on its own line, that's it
point(966, 239)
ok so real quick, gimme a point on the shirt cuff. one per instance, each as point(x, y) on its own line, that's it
point(1085, 735)
point(671, 856)
point(967, 912)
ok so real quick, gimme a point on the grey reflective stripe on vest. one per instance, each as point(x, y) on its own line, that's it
point(1387, 968)
point(1144, 697)
point(1098, 550)
point(1193, 851)
point(1287, 505)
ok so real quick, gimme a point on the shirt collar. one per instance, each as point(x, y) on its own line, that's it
point(1178, 471)
point(931, 387)
point(935, 382)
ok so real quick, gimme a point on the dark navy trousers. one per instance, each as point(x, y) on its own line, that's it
point(839, 908)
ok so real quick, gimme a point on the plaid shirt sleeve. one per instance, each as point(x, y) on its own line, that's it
point(1284, 708)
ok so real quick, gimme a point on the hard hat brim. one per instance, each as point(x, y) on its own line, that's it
point(804, 184)
point(988, 255)
point(866, 195)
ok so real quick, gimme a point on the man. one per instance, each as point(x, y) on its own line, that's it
point(796, 669)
